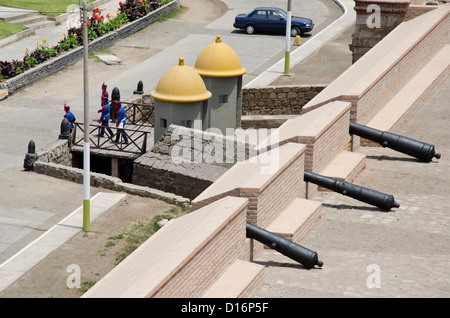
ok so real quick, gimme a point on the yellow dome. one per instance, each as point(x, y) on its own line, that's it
point(218, 60)
point(181, 84)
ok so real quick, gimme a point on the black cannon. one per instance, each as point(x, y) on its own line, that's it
point(382, 200)
point(294, 251)
point(412, 147)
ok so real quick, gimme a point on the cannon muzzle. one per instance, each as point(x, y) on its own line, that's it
point(294, 251)
point(382, 200)
point(418, 149)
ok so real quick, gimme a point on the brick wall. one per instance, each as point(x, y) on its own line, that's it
point(387, 67)
point(414, 58)
point(268, 194)
point(184, 258)
point(210, 261)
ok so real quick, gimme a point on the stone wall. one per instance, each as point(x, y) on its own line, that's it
point(368, 30)
point(278, 100)
point(186, 161)
point(103, 181)
point(57, 152)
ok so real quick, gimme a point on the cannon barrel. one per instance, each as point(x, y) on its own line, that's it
point(382, 200)
point(415, 148)
point(286, 247)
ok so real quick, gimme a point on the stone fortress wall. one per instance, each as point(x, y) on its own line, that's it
point(206, 253)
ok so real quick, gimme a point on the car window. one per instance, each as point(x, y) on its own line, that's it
point(259, 14)
point(274, 15)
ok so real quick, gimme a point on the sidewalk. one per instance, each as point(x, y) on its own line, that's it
point(25, 259)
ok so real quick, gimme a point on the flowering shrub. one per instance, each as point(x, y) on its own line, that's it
point(135, 9)
point(97, 26)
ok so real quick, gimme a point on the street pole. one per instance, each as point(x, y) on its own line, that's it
point(86, 145)
point(288, 37)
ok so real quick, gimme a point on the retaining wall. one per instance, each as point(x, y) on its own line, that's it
point(278, 100)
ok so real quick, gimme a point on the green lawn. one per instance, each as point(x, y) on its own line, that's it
point(7, 29)
point(51, 8)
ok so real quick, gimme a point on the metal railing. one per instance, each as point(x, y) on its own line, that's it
point(137, 138)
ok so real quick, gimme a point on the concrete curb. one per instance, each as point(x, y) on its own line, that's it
point(21, 262)
point(16, 37)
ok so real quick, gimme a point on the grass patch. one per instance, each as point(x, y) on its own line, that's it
point(93, 55)
point(84, 286)
point(174, 14)
point(137, 233)
point(49, 8)
point(7, 29)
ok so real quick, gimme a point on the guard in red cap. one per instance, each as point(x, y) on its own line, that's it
point(70, 117)
point(105, 96)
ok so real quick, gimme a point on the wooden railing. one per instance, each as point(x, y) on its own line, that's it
point(138, 114)
point(137, 138)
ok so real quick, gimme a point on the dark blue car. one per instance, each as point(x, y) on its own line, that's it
point(271, 20)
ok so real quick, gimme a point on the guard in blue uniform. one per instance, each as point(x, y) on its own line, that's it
point(104, 120)
point(121, 122)
point(70, 116)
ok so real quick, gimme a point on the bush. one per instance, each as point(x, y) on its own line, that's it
point(135, 9)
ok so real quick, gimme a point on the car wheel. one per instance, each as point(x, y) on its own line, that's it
point(295, 31)
point(250, 29)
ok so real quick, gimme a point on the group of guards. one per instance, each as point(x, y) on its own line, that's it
point(104, 117)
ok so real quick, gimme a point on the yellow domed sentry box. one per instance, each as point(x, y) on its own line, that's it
point(219, 60)
point(222, 72)
point(181, 98)
point(181, 83)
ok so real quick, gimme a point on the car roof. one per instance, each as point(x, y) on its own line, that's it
point(267, 8)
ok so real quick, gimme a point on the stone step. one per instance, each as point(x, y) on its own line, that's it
point(297, 219)
point(238, 281)
point(41, 25)
point(346, 166)
point(28, 19)
point(11, 15)
point(407, 100)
